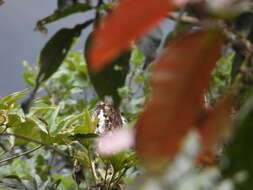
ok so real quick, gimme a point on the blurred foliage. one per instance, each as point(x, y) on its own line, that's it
point(238, 156)
point(222, 78)
point(60, 117)
point(52, 145)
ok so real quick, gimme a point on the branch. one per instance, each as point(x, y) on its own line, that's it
point(22, 154)
point(184, 18)
point(235, 38)
point(38, 142)
point(92, 167)
point(100, 3)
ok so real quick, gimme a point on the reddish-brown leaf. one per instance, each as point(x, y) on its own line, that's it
point(129, 20)
point(213, 128)
point(180, 76)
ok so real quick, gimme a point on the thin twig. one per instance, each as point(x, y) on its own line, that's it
point(38, 142)
point(106, 174)
point(111, 180)
point(97, 15)
point(22, 154)
point(236, 38)
point(184, 18)
point(92, 168)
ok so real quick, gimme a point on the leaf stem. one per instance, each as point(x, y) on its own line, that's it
point(92, 168)
point(106, 174)
point(183, 18)
point(111, 180)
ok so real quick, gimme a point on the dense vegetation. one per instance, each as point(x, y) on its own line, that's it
point(180, 103)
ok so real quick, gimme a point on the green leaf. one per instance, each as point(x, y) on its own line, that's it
point(88, 125)
point(29, 129)
point(29, 78)
point(52, 56)
point(57, 15)
point(79, 124)
point(222, 77)
point(30, 75)
point(55, 51)
point(42, 125)
point(83, 158)
point(122, 160)
point(67, 181)
point(69, 122)
point(12, 97)
point(11, 101)
point(52, 122)
point(118, 161)
point(15, 120)
point(107, 81)
point(137, 58)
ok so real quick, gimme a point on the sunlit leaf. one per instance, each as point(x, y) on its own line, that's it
point(11, 101)
point(29, 129)
point(88, 125)
point(126, 23)
point(14, 120)
point(180, 77)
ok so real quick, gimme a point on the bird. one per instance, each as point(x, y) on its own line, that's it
point(108, 117)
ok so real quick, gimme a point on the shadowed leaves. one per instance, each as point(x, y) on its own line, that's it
point(52, 56)
point(237, 160)
point(107, 81)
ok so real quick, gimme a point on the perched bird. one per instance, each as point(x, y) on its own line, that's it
point(109, 117)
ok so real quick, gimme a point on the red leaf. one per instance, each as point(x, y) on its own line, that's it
point(180, 76)
point(213, 128)
point(125, 24)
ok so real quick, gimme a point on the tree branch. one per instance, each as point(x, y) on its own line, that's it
point(38, 142)
point(19, 155)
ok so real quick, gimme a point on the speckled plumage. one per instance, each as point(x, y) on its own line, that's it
point(109, 118)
